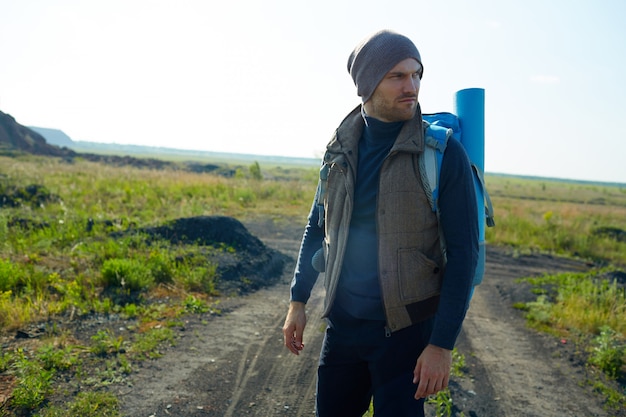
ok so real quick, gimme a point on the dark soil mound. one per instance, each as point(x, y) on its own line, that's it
point(244, 263)
point(33, 195)
point(209, 230)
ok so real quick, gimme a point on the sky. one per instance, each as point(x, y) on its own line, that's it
point(270, 78)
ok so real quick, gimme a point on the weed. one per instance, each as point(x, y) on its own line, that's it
point(608, 352)
point(458, 363)
point(92, 404)
point(105, 343)
point(615, 399)
point(539, 311)
point(442, 401)
point(10, 275)
point(193, 305)
point(581, 305)
point(5, 361)
point(34, 383)
point(128, 274)
point(130, 310)
point(53, 358)
point(197, 278)
point(146, 345)
point(159, 264)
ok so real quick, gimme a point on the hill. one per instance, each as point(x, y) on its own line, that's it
point(54, 136)
point(17, 138)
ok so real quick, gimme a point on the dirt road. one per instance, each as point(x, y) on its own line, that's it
point(235, 365)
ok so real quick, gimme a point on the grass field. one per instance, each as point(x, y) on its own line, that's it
point(59, 255)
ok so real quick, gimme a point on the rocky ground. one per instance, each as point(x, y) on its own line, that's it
point(235, 365)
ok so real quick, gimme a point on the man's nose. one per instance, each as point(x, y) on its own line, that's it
point(411, 84)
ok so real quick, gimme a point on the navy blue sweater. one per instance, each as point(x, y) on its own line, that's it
point(358, 295)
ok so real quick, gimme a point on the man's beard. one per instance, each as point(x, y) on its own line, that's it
point(384, 110)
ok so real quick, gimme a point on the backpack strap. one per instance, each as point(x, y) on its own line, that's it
point(480, 182)
point(436, 140)
point(322, 188)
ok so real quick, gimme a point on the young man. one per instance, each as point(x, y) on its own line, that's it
point(394, 302)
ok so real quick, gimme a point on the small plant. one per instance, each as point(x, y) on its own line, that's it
point(124, 364)
point(539, 312)
point(458, 363)
point(608, 352)
point(105, 343)
point(161, 267)
point(87, 404)
point(34, 383)
point(53, 358)
point(615, 399)
point(193, 305)
point(442, 401)
point(9, 275)
point(130, 310)
point(199, 278)
point(255, 171)
point(126, 274)
point(146, 345)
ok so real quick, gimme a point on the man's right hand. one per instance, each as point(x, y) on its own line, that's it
point(294, 327)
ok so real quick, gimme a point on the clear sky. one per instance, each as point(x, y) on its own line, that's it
point(269, 76)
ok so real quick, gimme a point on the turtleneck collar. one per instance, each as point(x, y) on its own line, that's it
point(375, 128)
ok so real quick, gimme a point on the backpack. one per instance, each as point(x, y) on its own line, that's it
point(438, 129)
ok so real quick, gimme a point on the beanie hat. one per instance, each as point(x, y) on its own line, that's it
point(375, 56)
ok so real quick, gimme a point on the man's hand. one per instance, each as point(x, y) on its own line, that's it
point(294, 327)
point(432, 371)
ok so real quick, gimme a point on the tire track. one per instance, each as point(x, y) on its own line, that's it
point(270, 380)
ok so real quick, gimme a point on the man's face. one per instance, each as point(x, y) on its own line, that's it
point(395, 98)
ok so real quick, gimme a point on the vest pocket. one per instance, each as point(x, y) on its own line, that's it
point(419, 276)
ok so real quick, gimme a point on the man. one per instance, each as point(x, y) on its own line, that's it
point(394, 302)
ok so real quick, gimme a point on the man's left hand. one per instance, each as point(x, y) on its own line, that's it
point(432, 371)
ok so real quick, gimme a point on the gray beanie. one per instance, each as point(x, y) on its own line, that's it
point(375, 56)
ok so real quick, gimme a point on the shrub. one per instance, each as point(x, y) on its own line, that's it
point(35, 384)
point(9, 275)
point(160, 267)
point(105, 343)
point(126, 273)
point(608, 352)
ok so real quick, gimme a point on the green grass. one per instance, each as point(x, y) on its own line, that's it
point(570, 219)
point(589, 309)
point(90, 404)
point(60, 255)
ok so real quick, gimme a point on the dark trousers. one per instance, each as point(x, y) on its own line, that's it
point(366, 363)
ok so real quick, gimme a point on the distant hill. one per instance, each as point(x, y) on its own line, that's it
point(54, 136)
point(15, 137)
point(59, 138)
